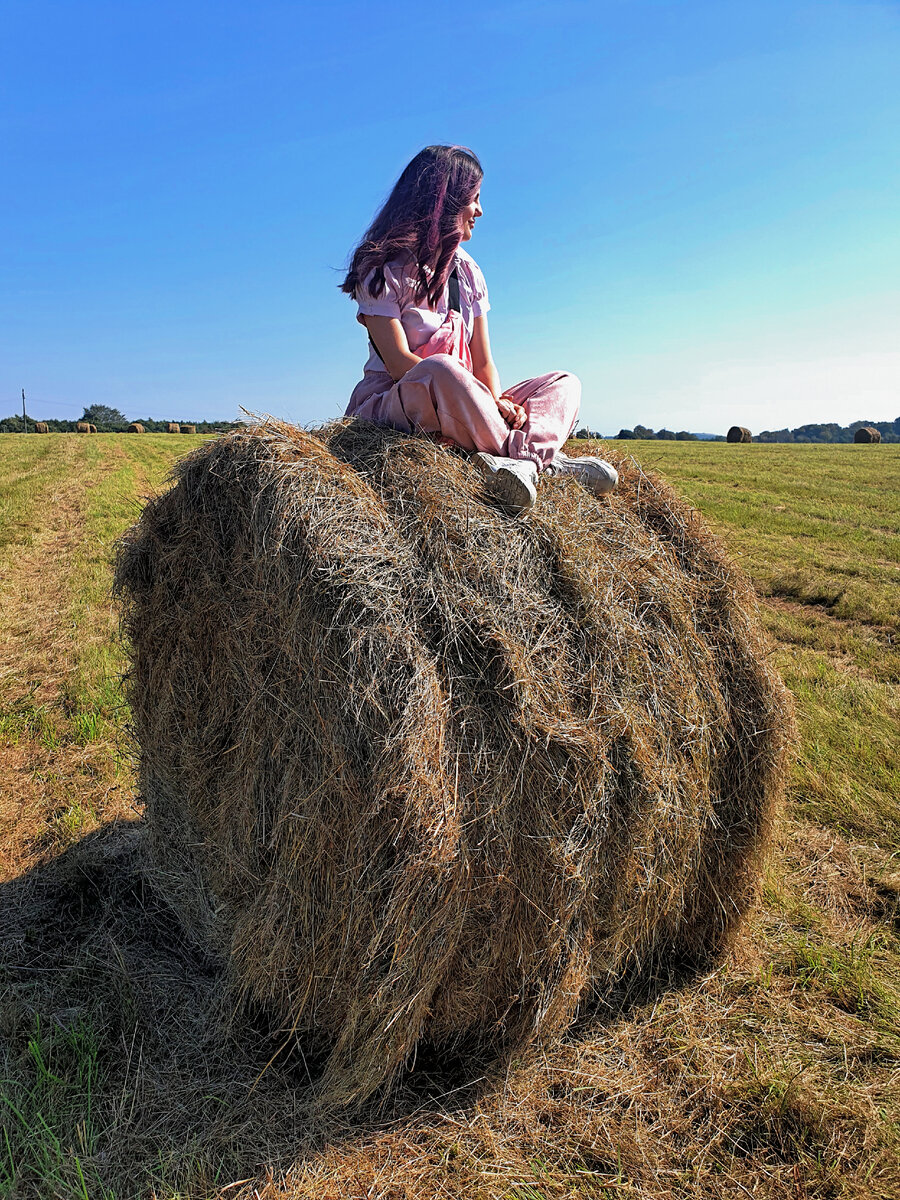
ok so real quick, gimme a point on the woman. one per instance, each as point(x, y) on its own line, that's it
point(424, 303)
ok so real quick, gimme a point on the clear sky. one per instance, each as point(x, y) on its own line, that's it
point(693, 204)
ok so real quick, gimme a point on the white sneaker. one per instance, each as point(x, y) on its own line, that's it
point(596, 475)
point(509, 480)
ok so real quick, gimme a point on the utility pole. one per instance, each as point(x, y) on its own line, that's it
point(24, 418)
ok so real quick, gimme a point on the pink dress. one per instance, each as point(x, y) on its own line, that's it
point(440, 395)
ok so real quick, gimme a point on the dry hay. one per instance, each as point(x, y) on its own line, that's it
point(82, 427)
point(41, 427)
point(425, 772)
point(188, 428)
point(174, 427)
point(135, 427)
point(867, 434)
point(92, 428)
point(737, 433)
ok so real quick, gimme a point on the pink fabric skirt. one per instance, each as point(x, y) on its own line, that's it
point(440, 397)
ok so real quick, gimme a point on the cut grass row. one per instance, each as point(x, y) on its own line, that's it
point(65, 500)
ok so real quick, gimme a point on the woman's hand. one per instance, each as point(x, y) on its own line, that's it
point(513, 414)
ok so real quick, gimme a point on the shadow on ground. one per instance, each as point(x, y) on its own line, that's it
point(119, 1049)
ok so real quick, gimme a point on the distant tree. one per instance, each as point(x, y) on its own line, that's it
point(102, 414)
point(642, 432)
point(665, 435)
point(627, 434)
point(683, 436)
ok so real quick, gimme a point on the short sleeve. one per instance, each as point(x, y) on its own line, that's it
point(480, 302)
point(390, 302)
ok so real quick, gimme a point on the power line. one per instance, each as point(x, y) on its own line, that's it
point(59, 404)
point(79, 408)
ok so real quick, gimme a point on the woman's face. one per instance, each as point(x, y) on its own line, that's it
point(469, 215)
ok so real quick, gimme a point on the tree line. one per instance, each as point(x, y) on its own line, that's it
point(642, 433)
point(826, 432)
point(831, 432)
point(108, 420)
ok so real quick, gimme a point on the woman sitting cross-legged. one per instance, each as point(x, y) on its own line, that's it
point(424, 303)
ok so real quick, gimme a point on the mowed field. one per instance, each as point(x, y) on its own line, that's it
point(776, 1075)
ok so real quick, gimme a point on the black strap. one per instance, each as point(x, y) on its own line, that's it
point(452, 302)
point(453, 291)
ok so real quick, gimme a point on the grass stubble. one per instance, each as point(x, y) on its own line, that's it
point(776, 1074)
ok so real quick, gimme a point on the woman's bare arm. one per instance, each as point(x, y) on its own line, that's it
point(389, 338)
point(484, 368)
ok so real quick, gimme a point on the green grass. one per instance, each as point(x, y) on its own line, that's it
point(91, 696)
point(49, 1130)
point(817, 524)
point(31, 468)
point(117, 474)
point(817, 528)
point(855, 977)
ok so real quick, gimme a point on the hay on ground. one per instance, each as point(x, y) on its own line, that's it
point(83, 427)
point(188, 428)
point(41, 427)
point(135, 427)
point(737, 433)
point(867, 434)
point(174, 427)
point(425, 772)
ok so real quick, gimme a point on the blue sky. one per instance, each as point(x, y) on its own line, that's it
point(693, 205)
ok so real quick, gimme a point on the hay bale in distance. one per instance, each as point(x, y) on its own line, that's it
point(188, 428)
point(174, 427)
point(737, 433)
point(867, 434)
point(92, 428)
point(423, 771)
point(41, 427)
point(135, 427)
point(83, 427)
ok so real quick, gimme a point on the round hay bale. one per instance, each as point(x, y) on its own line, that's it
point(174, 427)
point(41, 427)
point(188, 428)
point(737, 433)
point(423, 771)
point(82, 427)
point(867, 434)
point(135, 427)
point(92, 429)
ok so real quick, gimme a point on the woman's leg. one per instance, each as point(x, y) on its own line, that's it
point(551, 402)
point(438, 395)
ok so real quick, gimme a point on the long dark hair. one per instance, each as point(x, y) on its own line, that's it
point(419, 221)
